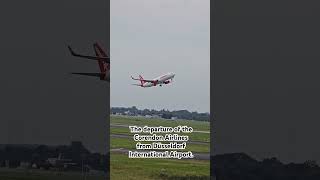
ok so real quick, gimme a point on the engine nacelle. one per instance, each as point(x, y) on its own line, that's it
point(166, 82)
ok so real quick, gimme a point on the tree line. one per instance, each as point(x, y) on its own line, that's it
point(166, 114)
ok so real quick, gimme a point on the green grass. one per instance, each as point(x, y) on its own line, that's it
point(196, 125)
point(123, 168)
point(140, 121)
point(130, 144)
point(204, 137)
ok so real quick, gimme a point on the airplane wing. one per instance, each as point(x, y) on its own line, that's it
point(93, 74)
point(106, 59)
point(89, 74)
point(145, 80)
point(148, 80)
point(136, 84)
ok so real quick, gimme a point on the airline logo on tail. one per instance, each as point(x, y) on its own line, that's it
point(141, 79)
point(164, 79)
point(103, 62)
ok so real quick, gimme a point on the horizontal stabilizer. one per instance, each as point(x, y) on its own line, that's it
point(144, 80)
point(134, 78)
point(88, 74)
point(105, 59)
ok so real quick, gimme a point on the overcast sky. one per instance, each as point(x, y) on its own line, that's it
point(153, 37)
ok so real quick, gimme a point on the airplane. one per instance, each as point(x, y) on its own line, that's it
point(164, 79)
point(103, 61)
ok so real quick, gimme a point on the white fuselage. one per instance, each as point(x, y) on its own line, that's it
point(164, 79)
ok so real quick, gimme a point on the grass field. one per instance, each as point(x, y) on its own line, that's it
point(196, 125)
point(123, 168)
point(130, 144)
point(204, 137)
point(138, 121)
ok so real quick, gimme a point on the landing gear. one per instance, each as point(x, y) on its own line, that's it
point(160, 85)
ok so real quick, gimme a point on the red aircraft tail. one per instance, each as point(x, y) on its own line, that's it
point(141, 79)
point(104, 67)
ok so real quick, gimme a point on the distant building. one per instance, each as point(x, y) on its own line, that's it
point(127, 113)
point(152, 116)
point(24, 164)
point(156, 116)
point(34, 166)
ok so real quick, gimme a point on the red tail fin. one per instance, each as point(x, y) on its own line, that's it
point(141, 79)
point(100, 53)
